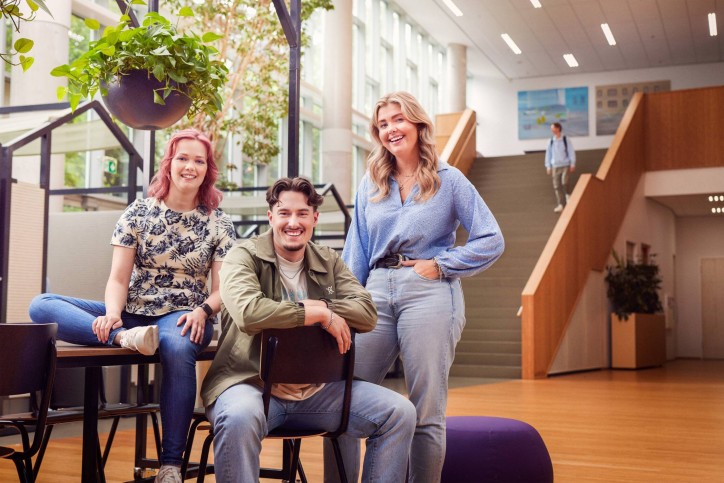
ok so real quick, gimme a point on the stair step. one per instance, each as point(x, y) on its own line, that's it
point(489, 371)
point(519, 193)
point(475, 346)
point(491, 335)
point(487, 359)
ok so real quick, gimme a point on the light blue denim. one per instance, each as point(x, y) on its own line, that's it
point(178, 357)
point(421, 320)
point(384, 417)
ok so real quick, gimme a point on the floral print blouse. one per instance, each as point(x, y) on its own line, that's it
point(174, 252)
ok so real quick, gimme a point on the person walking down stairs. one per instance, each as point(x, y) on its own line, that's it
point(560, 162)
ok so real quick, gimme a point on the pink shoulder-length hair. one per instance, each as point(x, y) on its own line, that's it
point(209, 196)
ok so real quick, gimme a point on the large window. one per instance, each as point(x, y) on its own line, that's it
point(390, 52)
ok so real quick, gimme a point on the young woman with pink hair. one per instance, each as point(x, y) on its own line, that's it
point(164, 249)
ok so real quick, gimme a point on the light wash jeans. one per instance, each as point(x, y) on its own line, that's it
point(560, 175)
point(384, 417)
point(420, 320)
point(178, 357)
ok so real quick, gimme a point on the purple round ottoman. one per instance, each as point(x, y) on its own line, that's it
point(485, 449)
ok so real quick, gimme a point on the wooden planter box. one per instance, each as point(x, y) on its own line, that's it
point(638, 342)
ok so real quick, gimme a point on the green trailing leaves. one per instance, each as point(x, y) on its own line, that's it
point(183, 61)
point(10, 10)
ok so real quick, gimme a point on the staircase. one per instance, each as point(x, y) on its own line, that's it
point(520, 194)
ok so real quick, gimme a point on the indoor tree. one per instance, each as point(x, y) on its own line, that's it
point(255, 49)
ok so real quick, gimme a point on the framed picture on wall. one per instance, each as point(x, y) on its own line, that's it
point(613, 100)
point(537, 110)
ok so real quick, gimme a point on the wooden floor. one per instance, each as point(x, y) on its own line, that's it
point(654, 425)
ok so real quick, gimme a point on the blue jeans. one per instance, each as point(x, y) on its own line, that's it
point(178, 357)
point(384, 417)
point(420, 320)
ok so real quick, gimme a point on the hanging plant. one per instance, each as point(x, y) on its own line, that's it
point(183, 64)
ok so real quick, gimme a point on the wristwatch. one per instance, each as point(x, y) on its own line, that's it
point(207, 308)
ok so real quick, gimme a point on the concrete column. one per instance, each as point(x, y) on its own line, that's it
point(457, 58)
point(37, 86)
point(337, 99)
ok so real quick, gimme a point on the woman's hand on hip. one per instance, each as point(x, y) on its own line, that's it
point(103, 325)
point(195, 323)
point(424, 268)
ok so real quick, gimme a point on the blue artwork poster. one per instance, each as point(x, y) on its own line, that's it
point(538, 109)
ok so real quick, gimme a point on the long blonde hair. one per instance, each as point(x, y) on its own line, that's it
point(381, 162)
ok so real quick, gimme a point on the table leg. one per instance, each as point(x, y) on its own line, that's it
point(92, 466)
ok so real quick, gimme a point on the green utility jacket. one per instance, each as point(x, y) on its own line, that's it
point(251, 296)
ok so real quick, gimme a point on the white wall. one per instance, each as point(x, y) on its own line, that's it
point(696, 238)
point(495, 101)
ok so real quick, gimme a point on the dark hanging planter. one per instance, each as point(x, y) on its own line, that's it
point(131, 101)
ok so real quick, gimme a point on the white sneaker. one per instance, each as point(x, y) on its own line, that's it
point(141, 339)
point(558, 209)
point(169, 474)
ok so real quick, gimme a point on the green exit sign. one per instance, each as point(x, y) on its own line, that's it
point(110, 165)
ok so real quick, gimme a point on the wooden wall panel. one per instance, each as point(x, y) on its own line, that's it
point(684, 129)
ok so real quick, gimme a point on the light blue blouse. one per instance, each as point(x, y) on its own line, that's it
point(423, 230)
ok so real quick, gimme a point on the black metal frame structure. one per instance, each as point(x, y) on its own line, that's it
point(44, 134)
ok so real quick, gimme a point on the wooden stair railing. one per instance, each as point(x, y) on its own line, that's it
point(455, 138)
point(670, 130)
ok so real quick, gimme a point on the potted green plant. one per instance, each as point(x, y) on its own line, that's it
point(638, 332)
point(144, 72)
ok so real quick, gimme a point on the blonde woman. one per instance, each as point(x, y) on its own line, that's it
point(401, 247)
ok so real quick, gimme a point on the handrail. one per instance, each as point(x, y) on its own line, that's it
point(649, 137)
point(44, 134)
point(459, 150)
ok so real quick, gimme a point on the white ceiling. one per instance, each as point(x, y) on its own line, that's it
point(649, 33)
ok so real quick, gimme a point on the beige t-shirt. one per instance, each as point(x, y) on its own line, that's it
point(294, 289)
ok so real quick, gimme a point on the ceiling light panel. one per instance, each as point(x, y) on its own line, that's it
point(712, 24)
point(513, 46)
point(570, 60)
point(453, 8)
point(609, 35)
point(536, 3)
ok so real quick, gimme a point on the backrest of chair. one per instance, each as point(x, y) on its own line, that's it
point(306, 355)
point(303, 355)
point(27, 358)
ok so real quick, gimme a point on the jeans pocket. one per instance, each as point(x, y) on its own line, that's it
point(424, 278)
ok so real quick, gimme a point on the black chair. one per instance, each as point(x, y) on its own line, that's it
point(67, 407)
point(27, 358)
point(302, 355)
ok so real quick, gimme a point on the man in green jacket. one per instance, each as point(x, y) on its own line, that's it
point(282, 280)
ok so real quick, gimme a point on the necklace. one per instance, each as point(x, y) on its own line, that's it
point(404, 183)
point(291, 277)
